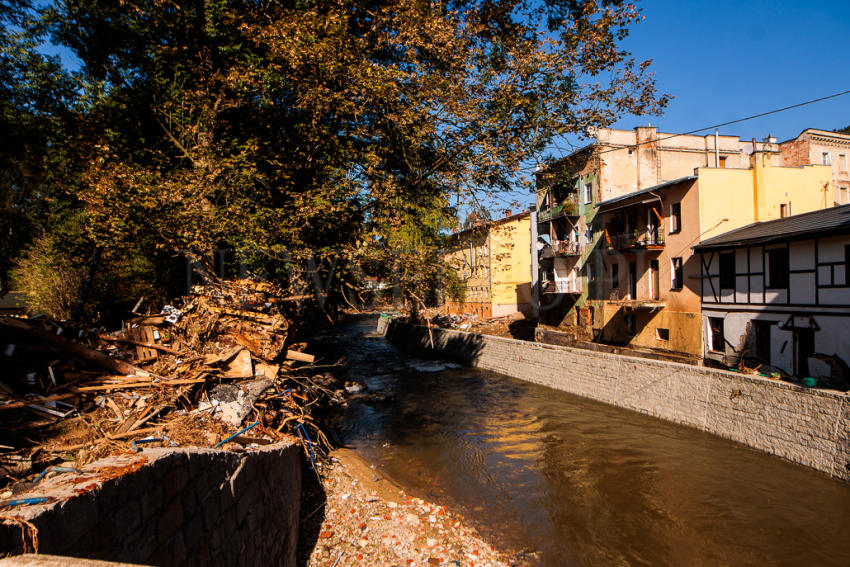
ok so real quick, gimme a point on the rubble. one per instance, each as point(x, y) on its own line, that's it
point(514, 325)
point(190, 375)
point(369, 520)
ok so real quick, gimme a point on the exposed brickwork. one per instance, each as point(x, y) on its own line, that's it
point(807, 426)
point(795, 152)
point(181, 507)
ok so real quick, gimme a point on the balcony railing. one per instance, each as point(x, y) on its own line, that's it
point(645, 239)
point(557, 211)
point(561, 286)
point(567, 248)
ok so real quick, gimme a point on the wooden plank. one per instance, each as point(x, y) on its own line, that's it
point(143, 335)
point(154, 346)
point(300, 356)
point(24, 403)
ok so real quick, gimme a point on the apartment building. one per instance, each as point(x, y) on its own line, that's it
point(650, 278)
point(616, 163)
point(493, 259)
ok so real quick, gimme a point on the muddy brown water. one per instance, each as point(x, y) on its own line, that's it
point(570, 481)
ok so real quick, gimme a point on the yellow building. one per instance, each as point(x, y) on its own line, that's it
point(732, 198)
point(651, 286)
point(493, 259)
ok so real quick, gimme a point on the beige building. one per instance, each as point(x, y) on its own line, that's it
point(493, 260)
point(822, 147)
point(650, 275)
point(616, 163)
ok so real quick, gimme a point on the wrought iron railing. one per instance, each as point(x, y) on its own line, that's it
point(638, 239)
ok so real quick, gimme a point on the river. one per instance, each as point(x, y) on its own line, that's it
point(571, 481)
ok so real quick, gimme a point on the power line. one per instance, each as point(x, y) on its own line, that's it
point(783, 109)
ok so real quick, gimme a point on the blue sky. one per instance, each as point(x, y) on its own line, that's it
point(723, 60)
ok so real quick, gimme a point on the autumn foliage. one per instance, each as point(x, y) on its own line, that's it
point(295, 126)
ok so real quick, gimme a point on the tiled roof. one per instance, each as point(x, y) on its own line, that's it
point(835, 220)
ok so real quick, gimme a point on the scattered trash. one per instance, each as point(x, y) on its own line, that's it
point(172, 314)
point(188, 375)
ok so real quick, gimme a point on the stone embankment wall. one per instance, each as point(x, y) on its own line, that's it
point(804, 425)
point(169, 507)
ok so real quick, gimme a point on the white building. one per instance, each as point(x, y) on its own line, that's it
point(778, 293)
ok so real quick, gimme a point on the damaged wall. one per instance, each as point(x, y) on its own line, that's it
point(170, 507)
point(804, 425)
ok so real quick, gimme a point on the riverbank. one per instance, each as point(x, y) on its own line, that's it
point(809, 426)
point(367, 519)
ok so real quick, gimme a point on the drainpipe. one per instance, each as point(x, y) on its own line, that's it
point(535, 268)
point(717, 148)
point(757, 181)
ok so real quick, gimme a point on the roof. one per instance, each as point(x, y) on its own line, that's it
point(654, 188)
point(493, 222)
point(816, 131)
point(825, 222)
point(560, 160)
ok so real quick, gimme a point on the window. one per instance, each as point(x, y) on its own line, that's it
point(675, 218)
point(777, 268)
point(721, 162)
point(715, 325)
point(847, 265)
point(826, 160)
point(590, 275)
point(727, 270)
point(783, 210)
point(615, 276)
point(676, 278)
point(585, 191)
point(842, 162)
point(662, 334)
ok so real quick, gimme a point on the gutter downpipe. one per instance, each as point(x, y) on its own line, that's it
point(535, 268)
point(717, 148)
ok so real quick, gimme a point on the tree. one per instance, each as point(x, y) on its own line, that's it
point(35, 97)
point(295, 126)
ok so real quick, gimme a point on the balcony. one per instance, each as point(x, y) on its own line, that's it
point(561, 286)
point(567, 248)
point(565, 210)
point(637, 240)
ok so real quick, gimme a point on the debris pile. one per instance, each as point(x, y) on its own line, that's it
point(220, 369)
point(514, 325)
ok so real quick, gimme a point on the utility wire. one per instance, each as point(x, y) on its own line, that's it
point(783, 109)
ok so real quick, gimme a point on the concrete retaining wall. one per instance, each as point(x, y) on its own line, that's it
point(807, 426)
point(169, 507)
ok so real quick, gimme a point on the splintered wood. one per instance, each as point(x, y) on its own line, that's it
point(176, 376)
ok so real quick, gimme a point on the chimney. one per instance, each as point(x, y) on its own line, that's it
point(646, 154)
point(507, 213)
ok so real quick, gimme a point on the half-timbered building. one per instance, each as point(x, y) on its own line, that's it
point(777, 293)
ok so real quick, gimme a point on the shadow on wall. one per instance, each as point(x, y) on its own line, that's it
point(554, 308)
point(464, 348)
point(622, 326)
point(753, 349)
point(312, 513)
point(523, 295)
